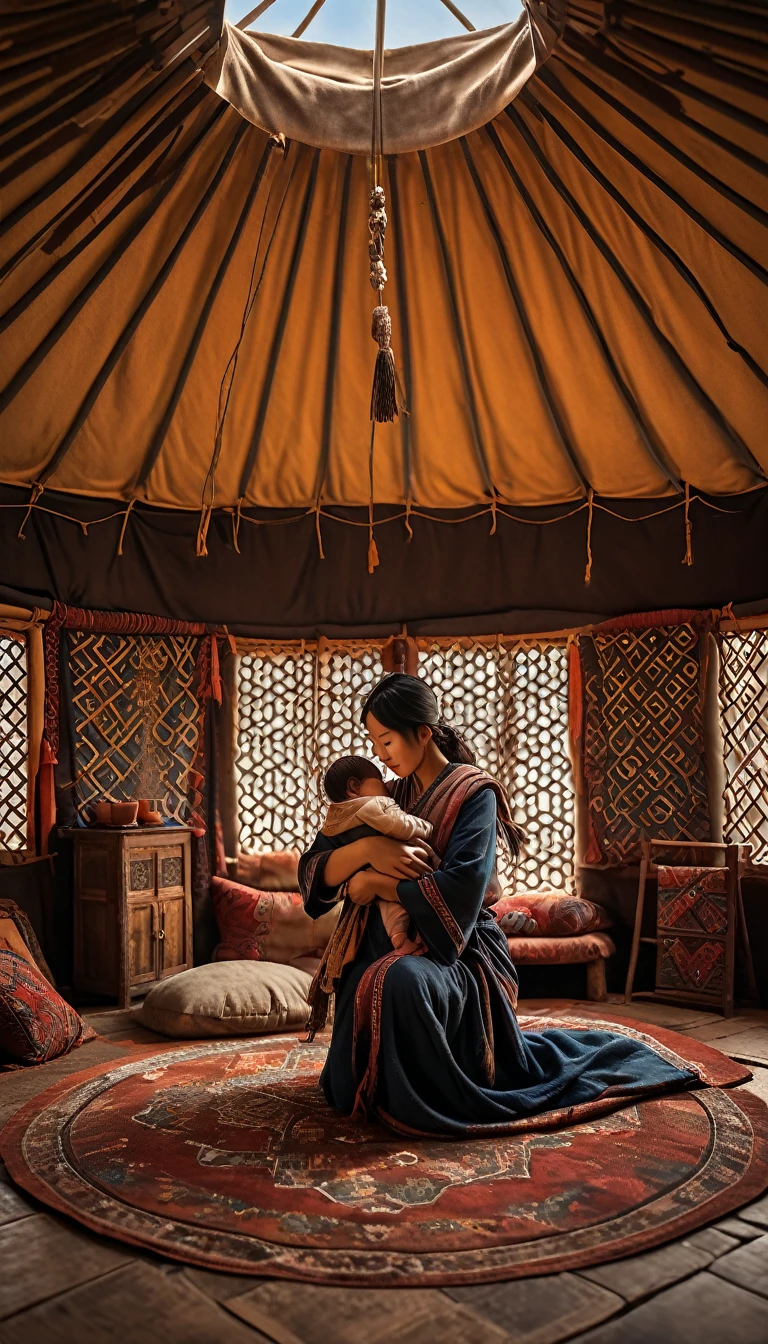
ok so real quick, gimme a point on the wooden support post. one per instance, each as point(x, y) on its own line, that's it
point(597, 991)
point(638, 923)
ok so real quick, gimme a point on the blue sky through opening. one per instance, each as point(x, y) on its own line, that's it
point(350, 23)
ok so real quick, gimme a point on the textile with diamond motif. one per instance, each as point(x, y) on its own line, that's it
point(136, 712)
point(643, 746)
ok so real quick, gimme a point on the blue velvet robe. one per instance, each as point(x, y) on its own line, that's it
point(433, 1074)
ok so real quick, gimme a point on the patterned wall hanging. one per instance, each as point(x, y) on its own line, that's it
point(137, 688)
point(637, 729)
point(136, 712)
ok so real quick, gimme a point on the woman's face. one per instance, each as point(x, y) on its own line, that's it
point(400, 752)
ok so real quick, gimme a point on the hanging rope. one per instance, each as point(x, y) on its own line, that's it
point(590, 506)
point(318, 528)
point(688, 557)
point(37, 490)
point(373, 552)
point(384, 390)
point(131, 503)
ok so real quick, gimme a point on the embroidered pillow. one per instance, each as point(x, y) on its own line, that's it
point(266, 925)
point(17, 935)
point(557, 913)
point(278, 871)
point(35, 1022)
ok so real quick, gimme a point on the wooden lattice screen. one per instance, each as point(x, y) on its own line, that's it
point(299, 708)
point(13, 743)
point(744, 716)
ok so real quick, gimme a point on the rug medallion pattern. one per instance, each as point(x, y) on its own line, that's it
point(227, 1155)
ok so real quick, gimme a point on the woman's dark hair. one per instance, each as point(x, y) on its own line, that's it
point(403, 703)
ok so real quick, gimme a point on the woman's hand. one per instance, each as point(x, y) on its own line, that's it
point(360, 888)
point(367, 885)
point(396, 858)
point(400, 859)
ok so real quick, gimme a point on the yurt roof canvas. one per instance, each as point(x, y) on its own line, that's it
point(577, 259)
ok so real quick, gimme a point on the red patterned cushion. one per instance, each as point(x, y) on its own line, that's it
point(35, 1022)
point(560, 951)
point(557, 913)
point(266, 925)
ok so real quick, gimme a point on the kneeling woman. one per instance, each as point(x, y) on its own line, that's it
point(430, 1043)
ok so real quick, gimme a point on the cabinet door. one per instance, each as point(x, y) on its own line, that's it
point(172, 939)
point(143, 940)
point(139, 872)
point(170, 870)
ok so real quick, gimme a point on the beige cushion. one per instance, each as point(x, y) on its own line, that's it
point(229, 998)
point(277, 870)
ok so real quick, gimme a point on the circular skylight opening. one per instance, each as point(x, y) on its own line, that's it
point(350, 23)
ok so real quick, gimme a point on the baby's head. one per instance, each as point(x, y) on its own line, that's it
point(353, 777)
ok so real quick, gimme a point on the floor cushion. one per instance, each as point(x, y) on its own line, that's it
point(36, 1024)
point(233, 998)
point(558, 914)
point(276, 871)
point(17, 935)
point(560, 951)
point(266, 925)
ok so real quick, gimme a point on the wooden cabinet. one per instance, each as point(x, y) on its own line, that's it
point(133, 908)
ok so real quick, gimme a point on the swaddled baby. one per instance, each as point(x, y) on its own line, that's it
point(360, 805)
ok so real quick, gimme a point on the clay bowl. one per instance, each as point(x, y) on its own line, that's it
point(103, 813)
point(150, 819)
point(124, 814)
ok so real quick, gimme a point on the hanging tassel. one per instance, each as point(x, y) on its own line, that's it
point(373, 552)
point(384, 391)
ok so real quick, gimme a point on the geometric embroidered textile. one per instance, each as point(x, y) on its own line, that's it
point(13, 743)
point(692, 900)
point(36, 1024)
point(643, 739)
point(227, 1155)
point(137, 717)
point(744, 718)
point(691, 924)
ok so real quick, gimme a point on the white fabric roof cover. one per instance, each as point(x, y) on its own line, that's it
point(437, 91)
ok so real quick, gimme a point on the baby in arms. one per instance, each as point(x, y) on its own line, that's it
point(360, 806)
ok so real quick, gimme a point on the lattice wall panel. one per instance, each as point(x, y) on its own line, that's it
point(744, 713)
point(275, 764)
point(511, 702)
point(13, 744)
point(300, 709)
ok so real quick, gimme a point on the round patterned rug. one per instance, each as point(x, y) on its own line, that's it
point(226, 1155)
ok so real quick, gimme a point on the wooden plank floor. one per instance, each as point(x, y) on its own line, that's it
point(59, 1284)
